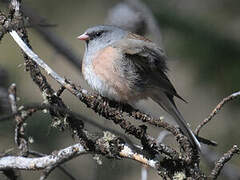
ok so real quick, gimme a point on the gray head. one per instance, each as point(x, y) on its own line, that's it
point(98, 37)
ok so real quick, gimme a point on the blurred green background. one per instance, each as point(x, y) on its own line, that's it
point(202, 41)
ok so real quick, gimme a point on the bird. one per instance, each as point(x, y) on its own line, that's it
point(126, 67)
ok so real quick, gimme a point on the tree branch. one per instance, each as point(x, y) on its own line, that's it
point(20, 139)
point(230, 171)
point(27, 163)
point(216, 110)
point(63, 155)
point(222, 161)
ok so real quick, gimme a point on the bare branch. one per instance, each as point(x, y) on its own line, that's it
point(27, 163)
point(216, 110)
point(222, 161)
point(12, 97)
point(36, 59)
point(20, 138)
point(230, 171)
point(63, 155)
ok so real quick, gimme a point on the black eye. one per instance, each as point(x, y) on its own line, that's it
point(98, 34)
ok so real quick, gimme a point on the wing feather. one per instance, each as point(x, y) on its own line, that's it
point(149, 60)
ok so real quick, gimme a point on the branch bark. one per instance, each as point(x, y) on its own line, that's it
point(216, 110)
point(222, 161)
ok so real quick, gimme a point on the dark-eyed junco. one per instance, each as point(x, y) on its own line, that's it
point(127, 67)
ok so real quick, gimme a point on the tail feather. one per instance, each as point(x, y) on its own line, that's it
point(168, 105)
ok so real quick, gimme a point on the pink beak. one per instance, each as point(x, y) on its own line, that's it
point(83, 37)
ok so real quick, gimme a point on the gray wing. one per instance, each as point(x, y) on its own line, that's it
point(149, 61)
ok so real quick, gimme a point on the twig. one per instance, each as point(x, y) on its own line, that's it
point(36, 59)
point(230, 171)
point(222, 161)
point(190, 153)
point(12, 97)
point(216, 110)
point(20, 138)
point(28, 110)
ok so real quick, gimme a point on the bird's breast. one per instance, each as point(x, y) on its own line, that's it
point(103, 75)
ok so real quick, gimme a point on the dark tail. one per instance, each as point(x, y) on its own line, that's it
point(168, 105)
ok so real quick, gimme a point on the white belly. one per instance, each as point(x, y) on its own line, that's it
point(102, 87)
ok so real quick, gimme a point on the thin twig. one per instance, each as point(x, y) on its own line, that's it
point(28, 110)
point(222, 161)
point(20, 138)
point(216, 110)
point(230, 171)
point(12, 97)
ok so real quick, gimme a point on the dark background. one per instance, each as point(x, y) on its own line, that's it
point(202, 41)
